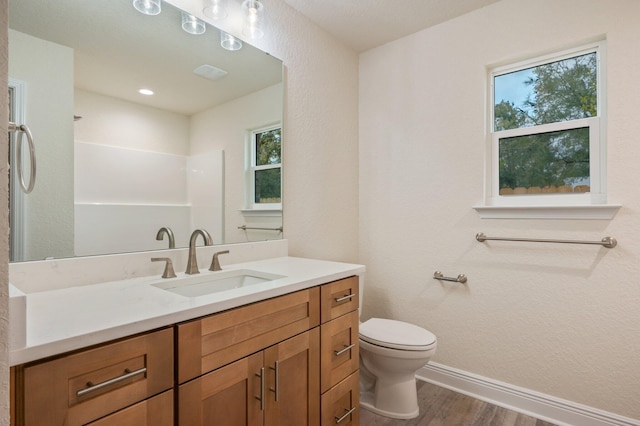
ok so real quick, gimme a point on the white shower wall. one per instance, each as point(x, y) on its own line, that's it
point(124, 195)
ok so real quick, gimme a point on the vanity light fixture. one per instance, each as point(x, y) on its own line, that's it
point(215, 9)
point(193, 25)
point(148, 7)
point(229, 42)
point(253, 15)
point(146, 92)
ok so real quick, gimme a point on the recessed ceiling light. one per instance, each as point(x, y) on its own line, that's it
point(145, 92)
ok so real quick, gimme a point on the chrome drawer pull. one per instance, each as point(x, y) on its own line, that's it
point(347, 414)
point(261, 397)
point(346, 349)
point(92, 388)
point(343, 298)
point(277, 376)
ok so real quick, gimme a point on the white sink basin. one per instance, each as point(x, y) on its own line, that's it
point(208, 283)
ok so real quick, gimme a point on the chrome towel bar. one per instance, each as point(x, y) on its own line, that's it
point(461, 278)
point(608, 242)
point(245, 227)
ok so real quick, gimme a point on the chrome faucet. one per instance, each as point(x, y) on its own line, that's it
point(169, 232)
point(168, 266)
point(215, 263)
point(192, 264)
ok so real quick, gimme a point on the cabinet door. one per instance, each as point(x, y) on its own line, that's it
point(228, 396)
point(341, 405)
point(156, 411)
point(293, 388)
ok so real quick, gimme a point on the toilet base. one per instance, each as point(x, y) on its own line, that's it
point(367, 402)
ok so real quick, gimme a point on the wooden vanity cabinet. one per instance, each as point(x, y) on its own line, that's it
point(157, 410)
point(79, 388)
point(340, 352)
point(276, 386)
point(289, 360)
point(216, 340)
point(254, 365)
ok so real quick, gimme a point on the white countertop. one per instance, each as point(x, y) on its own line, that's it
point(71, 318)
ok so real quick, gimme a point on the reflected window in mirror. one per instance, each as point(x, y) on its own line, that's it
point(265, 178)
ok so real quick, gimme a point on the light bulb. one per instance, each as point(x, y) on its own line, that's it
point(192, 25)
point(253, 14)
point(215, 9)
point(148, 7)
point(229, 42)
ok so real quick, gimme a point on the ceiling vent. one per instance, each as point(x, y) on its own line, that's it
point(210, 72)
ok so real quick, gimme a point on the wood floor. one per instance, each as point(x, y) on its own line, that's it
point(442, 407)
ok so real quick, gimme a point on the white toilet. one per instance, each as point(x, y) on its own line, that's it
point(391, 352)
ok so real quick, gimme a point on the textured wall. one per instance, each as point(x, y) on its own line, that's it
point(4, 227)
point(320, 136)
point(558, 319)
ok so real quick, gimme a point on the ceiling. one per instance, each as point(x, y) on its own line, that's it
point(118, 50)
point(163, 56)
point(364, 24)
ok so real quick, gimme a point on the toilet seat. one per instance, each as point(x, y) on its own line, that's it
point(396, 335)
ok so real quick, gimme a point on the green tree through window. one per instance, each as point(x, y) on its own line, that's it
point(554, 92)
point(267, 172)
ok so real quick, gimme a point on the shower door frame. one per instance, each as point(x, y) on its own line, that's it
point(17, 205)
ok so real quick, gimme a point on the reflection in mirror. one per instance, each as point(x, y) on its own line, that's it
point(115, 165)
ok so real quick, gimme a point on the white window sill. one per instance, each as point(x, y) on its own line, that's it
point(261, 212)
point(594, 211)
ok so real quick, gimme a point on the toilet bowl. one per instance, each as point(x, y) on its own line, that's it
point(391, 352)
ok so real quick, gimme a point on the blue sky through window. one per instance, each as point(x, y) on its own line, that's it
point(512, 88)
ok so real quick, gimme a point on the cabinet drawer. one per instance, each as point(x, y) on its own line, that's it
point(338, 298)
point(156, 411)
point(81, 387)
point(339, 349)
point(341, 405)
point(214, 341)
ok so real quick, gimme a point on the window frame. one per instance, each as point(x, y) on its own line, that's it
point(530, 205)
point(252, 167)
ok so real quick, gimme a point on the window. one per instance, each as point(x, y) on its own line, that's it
point(547, 139)
point(265, 169)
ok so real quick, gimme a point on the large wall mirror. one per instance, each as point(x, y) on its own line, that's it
point(113, 166)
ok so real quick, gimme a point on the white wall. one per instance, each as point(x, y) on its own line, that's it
point(562, 320)
point(133, 175)
point(111, 121)
point(4, 227)
point(226, 127)
point(320, 136)
point(49, 115)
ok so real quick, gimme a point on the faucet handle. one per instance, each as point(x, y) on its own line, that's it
point(215, 263)
point(168, 267)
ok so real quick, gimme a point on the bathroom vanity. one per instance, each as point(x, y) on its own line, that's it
point(279, 352)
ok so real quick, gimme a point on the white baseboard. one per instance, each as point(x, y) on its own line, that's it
point(526, 401)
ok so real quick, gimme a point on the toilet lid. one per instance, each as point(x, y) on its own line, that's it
point(396, 335)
